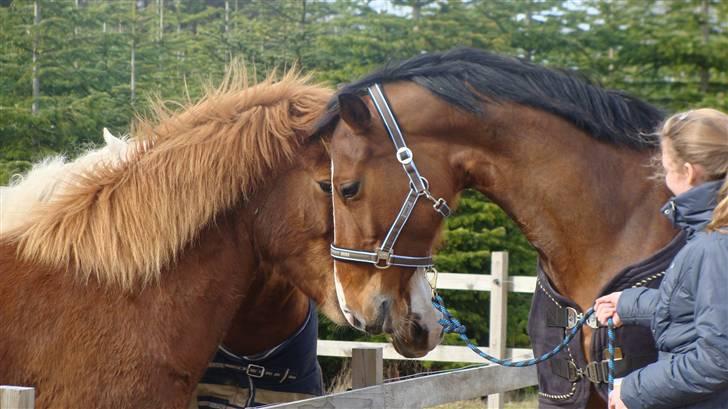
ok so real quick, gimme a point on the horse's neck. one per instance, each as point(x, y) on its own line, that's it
point(269, 313)
point(587, 207)
point(210, 276)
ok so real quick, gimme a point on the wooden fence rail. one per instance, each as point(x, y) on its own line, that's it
point(425, 391)
point(441, 353)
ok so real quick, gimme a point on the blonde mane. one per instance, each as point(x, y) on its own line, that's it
point(123, 221)
point(48, 177)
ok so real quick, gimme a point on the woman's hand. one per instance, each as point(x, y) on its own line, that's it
point(615, 401)
point(606, 307)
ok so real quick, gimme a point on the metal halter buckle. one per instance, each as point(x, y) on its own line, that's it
point(404, 155)
point(592, 321)
point(573, 317)
point(441, 207)
point(597, 371)
point(383, 256)
point(255, 371)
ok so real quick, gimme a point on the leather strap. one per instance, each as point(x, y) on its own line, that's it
point(399, 222)
point(371, 257)
point(597, 371)
point(257, 371)
point(404, 154)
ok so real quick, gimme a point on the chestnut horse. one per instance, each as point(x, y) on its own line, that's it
point(565, 159)
point(118, 282)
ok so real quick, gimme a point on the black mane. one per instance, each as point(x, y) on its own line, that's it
point(464, 76)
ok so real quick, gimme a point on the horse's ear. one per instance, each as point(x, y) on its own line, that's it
point(355, 112)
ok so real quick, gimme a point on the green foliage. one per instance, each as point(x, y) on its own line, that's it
point(674, 53)
point(13, 167)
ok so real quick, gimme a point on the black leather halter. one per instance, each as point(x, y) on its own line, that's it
point(383, 256)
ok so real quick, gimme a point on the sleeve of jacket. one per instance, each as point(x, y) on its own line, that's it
point(637, 306)
point(695, 375)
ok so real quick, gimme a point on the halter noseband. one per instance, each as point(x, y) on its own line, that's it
point(383, 256)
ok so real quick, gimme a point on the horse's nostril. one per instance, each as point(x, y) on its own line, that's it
point(373, 329)
point(356, 323)
point(418, 331)
point(382, 313)
point(384, 309)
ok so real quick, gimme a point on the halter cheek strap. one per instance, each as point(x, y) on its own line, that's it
point(383, 256)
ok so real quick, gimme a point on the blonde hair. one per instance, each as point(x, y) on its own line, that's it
point(700, 137)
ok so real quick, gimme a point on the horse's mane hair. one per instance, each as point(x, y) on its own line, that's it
point(123, 221)
point(466, 78)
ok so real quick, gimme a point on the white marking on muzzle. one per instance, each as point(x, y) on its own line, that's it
point(337, 283)
point(421, 303)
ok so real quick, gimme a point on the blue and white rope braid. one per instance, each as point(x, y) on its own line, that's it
point(451, 324)
point(610, 347)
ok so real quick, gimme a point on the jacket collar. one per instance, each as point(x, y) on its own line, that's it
point(693, 210)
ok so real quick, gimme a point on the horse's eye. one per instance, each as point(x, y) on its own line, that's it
point(325, 186)
point(349, 190)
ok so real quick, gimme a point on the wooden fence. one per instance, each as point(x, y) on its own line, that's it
point(17, 397)
point(466, 383)
point(369, 389)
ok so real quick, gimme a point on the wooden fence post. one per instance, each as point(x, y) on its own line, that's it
point(17, 397)
point(367, 367)
point(498, 315)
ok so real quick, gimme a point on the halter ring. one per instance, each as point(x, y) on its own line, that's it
point(385, 256)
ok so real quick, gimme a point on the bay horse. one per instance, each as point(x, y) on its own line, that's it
point(565, 159)
point(119, 279)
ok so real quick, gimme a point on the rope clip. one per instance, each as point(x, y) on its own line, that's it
point(573, 317)
point(432, 281)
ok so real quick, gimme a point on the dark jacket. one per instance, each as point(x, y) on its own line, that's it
point(688, 316)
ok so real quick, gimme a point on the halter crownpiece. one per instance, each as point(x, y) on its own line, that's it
point(383, 256)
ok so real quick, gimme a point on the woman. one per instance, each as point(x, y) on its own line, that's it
point(688, 314)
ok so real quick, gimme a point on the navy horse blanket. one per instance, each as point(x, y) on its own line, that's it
point(287, 372)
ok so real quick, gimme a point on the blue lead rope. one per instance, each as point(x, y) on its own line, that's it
point(611, 339)
point(452, 325)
